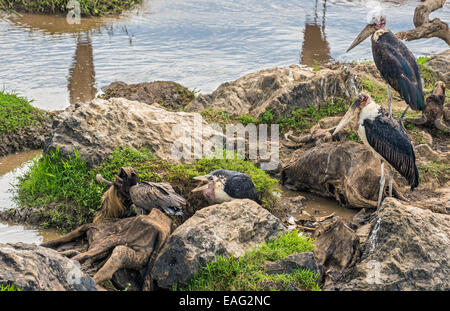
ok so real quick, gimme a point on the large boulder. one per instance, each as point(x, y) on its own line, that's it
point(407, 249)
point(227, 229)
point(32, 267)
point(440, 63)
point(280, 89)
point(346, 171)
point(168, 94)
point(95, 128)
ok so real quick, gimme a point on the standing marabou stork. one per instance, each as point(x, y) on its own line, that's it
point(224, 185)
point(395, 62)
point(384, 137)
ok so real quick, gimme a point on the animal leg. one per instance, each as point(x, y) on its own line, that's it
point(440, 125)
point(390, 180)
point(418, 121)
point(403, 114)
point(121, 257)
point(389, 99)
point(382, 181)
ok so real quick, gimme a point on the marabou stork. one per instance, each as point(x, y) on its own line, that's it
point(395, 62)
point(223, 185)
point(384, 137)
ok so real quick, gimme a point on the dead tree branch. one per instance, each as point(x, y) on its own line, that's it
point(424, 27)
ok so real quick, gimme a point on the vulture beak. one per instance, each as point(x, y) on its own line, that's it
point(352, 112)
point(363, 35)
point(204, 183)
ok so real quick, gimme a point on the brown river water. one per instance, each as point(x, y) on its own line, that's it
point(198, 43)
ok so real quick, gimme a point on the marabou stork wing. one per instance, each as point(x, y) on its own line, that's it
point(399, 68)
point(388, 139)
point(148, 195)
point(240, 186)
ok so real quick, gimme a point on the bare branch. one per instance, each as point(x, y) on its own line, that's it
point(424, 27)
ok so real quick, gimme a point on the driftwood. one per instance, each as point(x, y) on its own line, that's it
point(108, 247)
point(434, 110)
point(424, 27)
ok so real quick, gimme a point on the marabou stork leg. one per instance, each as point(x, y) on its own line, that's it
point(403, 114)
point(382, 181)
point(389, 99)
point(390, 180)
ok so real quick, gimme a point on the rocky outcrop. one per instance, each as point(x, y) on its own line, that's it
point(407, 249)
point(36, 268)
point(440, 63)
point(127, 247)
point(223, 229)
point(168, 94)
point(347, 172)
point(280, 89)
point(95, 128)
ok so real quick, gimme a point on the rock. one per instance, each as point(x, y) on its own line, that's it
point(168, 94)
point(407, 249)
point(440, 63)
point(347, 172)
point(227, 229)
point(112, 247)
point(95, 128)
point(28, 137)
point(424, 154)
point(336, 247)
point(291, 263)
point(36, 268)
point(280, 89)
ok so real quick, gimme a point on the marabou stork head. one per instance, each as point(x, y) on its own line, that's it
point(360, 102)
point(378, 21)
point(207, 186)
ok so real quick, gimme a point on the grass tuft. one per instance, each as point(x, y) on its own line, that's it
point(88, 7)
point(247, 273)
point(16, 113)
point(9, 287)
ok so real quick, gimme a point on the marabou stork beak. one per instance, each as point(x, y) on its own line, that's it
point(363, 35)
point(352, 112)
point(204, 185)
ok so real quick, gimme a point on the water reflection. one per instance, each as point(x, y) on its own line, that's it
point(315, 46)
point(81, 73)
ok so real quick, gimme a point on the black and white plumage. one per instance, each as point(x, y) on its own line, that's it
point(224, 185)
point(384, 137)
point(395, 61)
point(149, 195)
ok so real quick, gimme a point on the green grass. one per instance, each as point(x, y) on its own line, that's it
point(88, 7)
point(422, 60)
point(247, 273)
point(434, 171)
point(8, 287)
point(67, 190)
point(376, 90)
point(16, 113)
point(302, 119)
